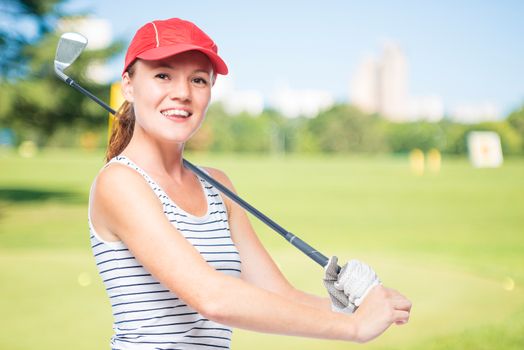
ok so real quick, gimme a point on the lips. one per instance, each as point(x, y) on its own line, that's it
point(176, 113)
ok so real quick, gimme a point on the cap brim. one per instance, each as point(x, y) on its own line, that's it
point(159, 53)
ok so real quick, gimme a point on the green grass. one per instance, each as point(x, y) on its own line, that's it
point(449, 241)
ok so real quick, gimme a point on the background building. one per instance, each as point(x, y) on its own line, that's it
point(392, 92)
point(381, 86)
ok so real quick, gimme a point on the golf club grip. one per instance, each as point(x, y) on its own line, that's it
point(315, 255)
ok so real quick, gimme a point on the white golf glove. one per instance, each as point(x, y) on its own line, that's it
point(348, 288)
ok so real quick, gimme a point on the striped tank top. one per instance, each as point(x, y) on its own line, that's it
point(146, 314)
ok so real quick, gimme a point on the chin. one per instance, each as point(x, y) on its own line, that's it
point(176, 138)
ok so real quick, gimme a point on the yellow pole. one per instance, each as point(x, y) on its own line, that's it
point(416, 161)
point(115, 101)
point(434, 160)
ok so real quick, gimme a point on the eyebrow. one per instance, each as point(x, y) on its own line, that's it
point(163, 64)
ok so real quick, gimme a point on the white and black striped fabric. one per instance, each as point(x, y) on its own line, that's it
point(146, 314)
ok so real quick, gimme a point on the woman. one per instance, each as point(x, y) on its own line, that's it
point(181, 264)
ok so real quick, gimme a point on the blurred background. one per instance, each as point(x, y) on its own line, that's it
point(401, 123)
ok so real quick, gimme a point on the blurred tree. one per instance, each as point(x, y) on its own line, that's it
point(344, 128)
point(278, 132)
point(35, 103)
point(23, 23)
point(456, 137)
point(516, 120)
point(268, 132)
point(304, 140)
point(219, 123)
point(251, 134)
point(404, 137)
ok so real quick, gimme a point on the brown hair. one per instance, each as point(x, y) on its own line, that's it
point(123, 127)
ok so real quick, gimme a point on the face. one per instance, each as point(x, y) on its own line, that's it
point(170, 96)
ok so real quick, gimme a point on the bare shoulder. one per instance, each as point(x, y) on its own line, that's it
point(118, 183)
point(116, 193)
point(117, 178)
point(221, 177)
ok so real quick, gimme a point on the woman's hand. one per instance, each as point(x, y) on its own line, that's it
point(348, 288)
point(381, 308)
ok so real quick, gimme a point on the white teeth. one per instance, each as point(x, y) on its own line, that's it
point(178, 112)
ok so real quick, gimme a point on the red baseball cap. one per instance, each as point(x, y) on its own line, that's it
point(160, 39)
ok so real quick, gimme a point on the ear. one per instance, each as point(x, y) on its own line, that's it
point(127, 88)
point(213, 78)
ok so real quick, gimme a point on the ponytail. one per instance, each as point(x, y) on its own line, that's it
point(122, 130)
point(123, 127)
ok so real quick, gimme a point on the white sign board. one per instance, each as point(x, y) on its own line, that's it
point(484, 149)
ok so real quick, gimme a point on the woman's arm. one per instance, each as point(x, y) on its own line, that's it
point(258, 267)
point(123, 204)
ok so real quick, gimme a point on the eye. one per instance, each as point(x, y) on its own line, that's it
point(162, 76)
point(200, 81)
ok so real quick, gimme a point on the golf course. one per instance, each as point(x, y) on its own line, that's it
point(450, 239)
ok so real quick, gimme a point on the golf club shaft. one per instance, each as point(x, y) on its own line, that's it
point(316, 256)
point(73, 83)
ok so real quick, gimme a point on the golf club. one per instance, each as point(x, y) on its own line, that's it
point(71, 46)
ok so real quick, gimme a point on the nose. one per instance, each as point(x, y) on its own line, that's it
point(180, 90)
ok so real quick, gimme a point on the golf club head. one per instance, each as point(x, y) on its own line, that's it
point(70, 46)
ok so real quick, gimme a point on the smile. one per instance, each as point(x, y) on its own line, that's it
point(176, 113)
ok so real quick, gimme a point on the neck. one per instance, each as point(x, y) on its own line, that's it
point(156, 157)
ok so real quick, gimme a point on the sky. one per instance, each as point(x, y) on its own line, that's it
point(466, 52)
